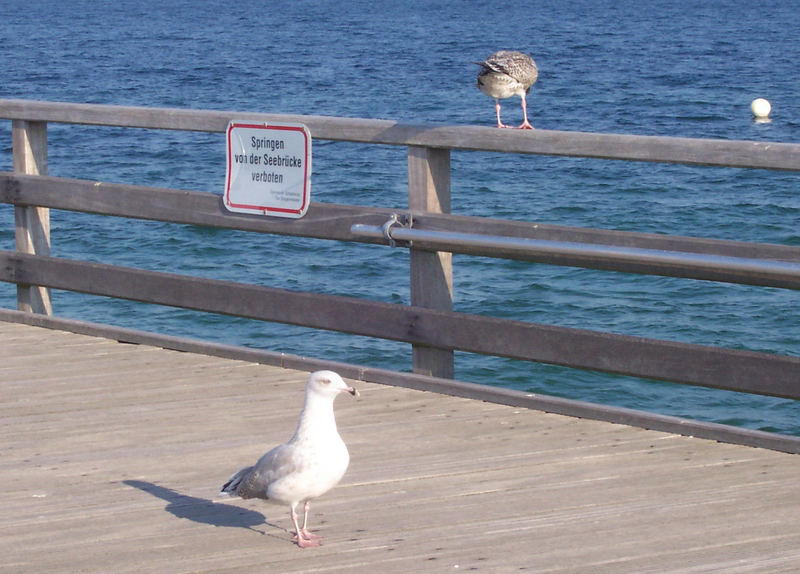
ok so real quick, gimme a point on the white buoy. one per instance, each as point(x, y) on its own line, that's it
point(761, 108)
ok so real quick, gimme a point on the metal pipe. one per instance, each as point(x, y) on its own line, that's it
point(762, 272)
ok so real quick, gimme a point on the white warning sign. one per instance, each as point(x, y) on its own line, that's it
point(268, 169)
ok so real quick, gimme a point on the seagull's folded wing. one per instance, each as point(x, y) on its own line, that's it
point(271, 467)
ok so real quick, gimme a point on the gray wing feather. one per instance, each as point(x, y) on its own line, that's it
point(253, 481)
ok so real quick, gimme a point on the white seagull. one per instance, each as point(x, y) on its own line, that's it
point(505, 74)
point(310, 464)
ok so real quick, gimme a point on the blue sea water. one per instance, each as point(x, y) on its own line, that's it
point(645, 67)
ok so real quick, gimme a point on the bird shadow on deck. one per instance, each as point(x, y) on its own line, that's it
point(204, 511)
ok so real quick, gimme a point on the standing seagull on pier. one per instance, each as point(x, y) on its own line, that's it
point(505, 74)
point(309, 465)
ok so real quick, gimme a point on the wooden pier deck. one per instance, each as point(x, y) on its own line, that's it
point(112, 454)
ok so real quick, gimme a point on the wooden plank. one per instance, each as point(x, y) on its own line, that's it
point(31, 223)
point(431, 271)
point(692, 151)
point(97, 468)
point(322, 221)
point(744, 371)
point(333, 221)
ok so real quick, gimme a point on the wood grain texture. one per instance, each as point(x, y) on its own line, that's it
point(715, 367)
point(31, 222)
point(334, 221)
point(692, 151)
point(431, 272)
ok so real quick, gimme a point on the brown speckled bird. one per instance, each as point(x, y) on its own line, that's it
point(505, 74)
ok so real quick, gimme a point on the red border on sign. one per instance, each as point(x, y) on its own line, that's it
point(262, 208)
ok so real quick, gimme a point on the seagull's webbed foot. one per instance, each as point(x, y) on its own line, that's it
point(306, 539)
point(308, 535)
point(526, 125)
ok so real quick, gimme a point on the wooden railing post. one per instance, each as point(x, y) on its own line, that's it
point(431, 272)
point(31, 224)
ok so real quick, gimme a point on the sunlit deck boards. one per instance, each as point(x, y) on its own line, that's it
point(111, 456)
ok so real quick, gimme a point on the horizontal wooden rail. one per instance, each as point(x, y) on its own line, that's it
point(332, 221)
point(715, 367)
point(322, 221)
point(691, 151)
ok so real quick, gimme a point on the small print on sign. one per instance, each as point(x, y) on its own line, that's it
point(268, 169)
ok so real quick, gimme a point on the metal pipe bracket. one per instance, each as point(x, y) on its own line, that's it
point(403, 220)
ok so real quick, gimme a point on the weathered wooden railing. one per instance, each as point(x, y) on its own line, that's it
point(429, 323)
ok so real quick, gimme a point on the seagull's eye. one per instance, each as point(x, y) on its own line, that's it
point(325, 381)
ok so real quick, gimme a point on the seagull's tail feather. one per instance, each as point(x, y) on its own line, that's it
point(232, 486)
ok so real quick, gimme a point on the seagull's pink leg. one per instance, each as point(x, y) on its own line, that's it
point(302, 541)
point(497, 110)
point(307, 534)
point(526, 125)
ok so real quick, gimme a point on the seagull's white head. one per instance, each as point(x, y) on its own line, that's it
point(328, 384)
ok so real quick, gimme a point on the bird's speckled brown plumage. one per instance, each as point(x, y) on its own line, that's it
point(505, 74)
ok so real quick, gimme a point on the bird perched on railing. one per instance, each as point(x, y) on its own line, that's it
point(307, 466)
point(505, 74)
